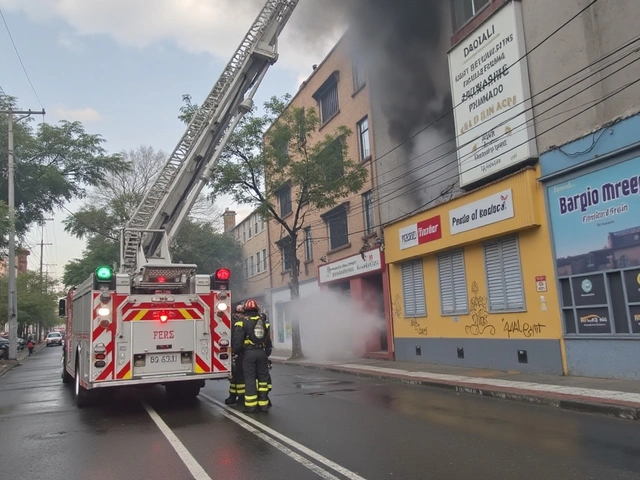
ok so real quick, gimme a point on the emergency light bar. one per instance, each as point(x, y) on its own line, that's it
point(168, 276)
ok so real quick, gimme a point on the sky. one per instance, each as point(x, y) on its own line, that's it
point(572, 234)
point(121, 68)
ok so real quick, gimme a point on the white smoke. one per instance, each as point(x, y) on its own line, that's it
point(334, 327)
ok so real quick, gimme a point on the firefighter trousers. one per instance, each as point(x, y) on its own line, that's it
point(256, 374)
point(237, 384)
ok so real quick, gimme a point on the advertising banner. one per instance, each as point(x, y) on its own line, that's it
point(487, 210)
point(359, 264)
point(596, 220)
point(490, 88)
point(422, 232)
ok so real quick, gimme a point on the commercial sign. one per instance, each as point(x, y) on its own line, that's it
point(422, 232)
point(485, 211)
point(595, 220)
point(351, 266)
point(490, 88)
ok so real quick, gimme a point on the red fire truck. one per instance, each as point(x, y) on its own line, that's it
point(155, 321)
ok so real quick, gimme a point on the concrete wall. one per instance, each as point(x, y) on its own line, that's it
point(605, 358)
point(601, 29)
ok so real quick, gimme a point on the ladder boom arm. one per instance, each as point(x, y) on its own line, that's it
point(175, 190)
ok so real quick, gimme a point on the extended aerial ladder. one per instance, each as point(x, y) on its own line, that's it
point(146, 239)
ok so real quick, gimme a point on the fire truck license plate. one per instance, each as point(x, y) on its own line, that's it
point(153, 359)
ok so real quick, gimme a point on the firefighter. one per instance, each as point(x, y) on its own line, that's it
point(270, 385)
point(252, 334)
point(236, 383)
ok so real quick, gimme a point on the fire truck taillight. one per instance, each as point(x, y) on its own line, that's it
point(164, 317)
point(104, 311)
point(224, 343)
point(162, 279)
point(222, 306)
point(223, 274)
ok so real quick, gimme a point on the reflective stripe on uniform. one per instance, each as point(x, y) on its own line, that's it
point(250, 400)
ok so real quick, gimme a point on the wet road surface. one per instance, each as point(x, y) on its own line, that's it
point(322, 425)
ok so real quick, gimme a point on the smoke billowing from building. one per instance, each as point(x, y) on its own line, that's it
point(402, 43)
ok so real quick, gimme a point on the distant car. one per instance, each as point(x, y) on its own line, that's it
point(54, 338)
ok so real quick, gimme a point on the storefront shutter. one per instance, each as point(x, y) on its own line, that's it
point(413, 289)
point(504, 275)
point(514, 290)
point(453, 287)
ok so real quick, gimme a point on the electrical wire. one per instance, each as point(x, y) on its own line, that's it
point(24, 69)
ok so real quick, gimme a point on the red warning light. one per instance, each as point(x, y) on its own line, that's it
point(162, 279)
point(164, 317)
point(223, 274)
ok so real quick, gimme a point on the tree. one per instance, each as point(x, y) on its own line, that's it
point(53, 165)
point(282, 149)
point(36, 300)
point(108, 209)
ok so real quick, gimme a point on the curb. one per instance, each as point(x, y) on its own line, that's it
point(611, 408)
point(5, 368)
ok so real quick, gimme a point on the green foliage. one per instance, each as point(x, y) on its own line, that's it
point(200, 243)
point(53, 164)
point(100, 221)
point(270, 151)
point(37, 302)
point(188, 110)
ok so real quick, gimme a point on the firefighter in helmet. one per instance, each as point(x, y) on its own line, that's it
point(236, 383)
point(252, 334)
point(269, 385)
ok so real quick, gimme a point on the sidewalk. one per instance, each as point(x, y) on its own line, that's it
point(618, 398)
point(6, 365)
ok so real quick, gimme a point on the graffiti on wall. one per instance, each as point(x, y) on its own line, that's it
point(396, 307)
point(515, 327)
point(419, 328)
point(479, 314)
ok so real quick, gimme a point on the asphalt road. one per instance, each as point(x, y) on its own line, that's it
point(322, 425)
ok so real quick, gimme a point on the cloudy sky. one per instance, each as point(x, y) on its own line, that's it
point(122, 66)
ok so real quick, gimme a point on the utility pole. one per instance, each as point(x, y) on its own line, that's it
point(13, 295)
point(42, 244)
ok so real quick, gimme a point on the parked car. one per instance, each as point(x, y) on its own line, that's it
point(4, 351)
point(54, 338)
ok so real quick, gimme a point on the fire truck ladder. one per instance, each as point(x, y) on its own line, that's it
point(175, 190)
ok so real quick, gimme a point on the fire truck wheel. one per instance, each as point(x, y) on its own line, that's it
point(66, 378)
point(81, 394)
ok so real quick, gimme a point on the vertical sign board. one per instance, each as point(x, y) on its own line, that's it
point(490, 88)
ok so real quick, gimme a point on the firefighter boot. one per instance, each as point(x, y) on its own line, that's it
point(249, 410)
point(231, 399)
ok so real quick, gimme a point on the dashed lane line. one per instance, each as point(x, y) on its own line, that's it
point(234, 415)
point(189, 461)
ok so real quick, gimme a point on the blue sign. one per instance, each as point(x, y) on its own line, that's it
point(596, 220)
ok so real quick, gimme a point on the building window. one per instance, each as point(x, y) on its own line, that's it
point(327, 98)
point(286, 252)
point(504, 275)
point(264, 259)
point(363, 138)
point(308, 244)
point(337, 224)
point(249, 228)
point(464, 10)
point(284, 197)
point(258, 263)
point(413, 289)
point(262, 223)
point(359, 78)
point(246, 268)
point(367, 208)
point(252, 267)
point(453, 284)
point(255, 224)
point(244, 232)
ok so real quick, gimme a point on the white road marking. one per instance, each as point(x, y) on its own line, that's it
point(190, 462)
point(284, 439)
point(287, 451)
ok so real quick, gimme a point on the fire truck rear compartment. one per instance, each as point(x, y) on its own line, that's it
point(162, 348)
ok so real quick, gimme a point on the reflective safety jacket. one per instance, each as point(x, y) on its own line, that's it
point(242, 334)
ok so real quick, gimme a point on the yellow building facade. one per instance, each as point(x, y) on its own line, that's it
point(472, 281)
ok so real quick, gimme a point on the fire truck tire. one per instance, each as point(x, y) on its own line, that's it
point(80, 393)
point(66, 378)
